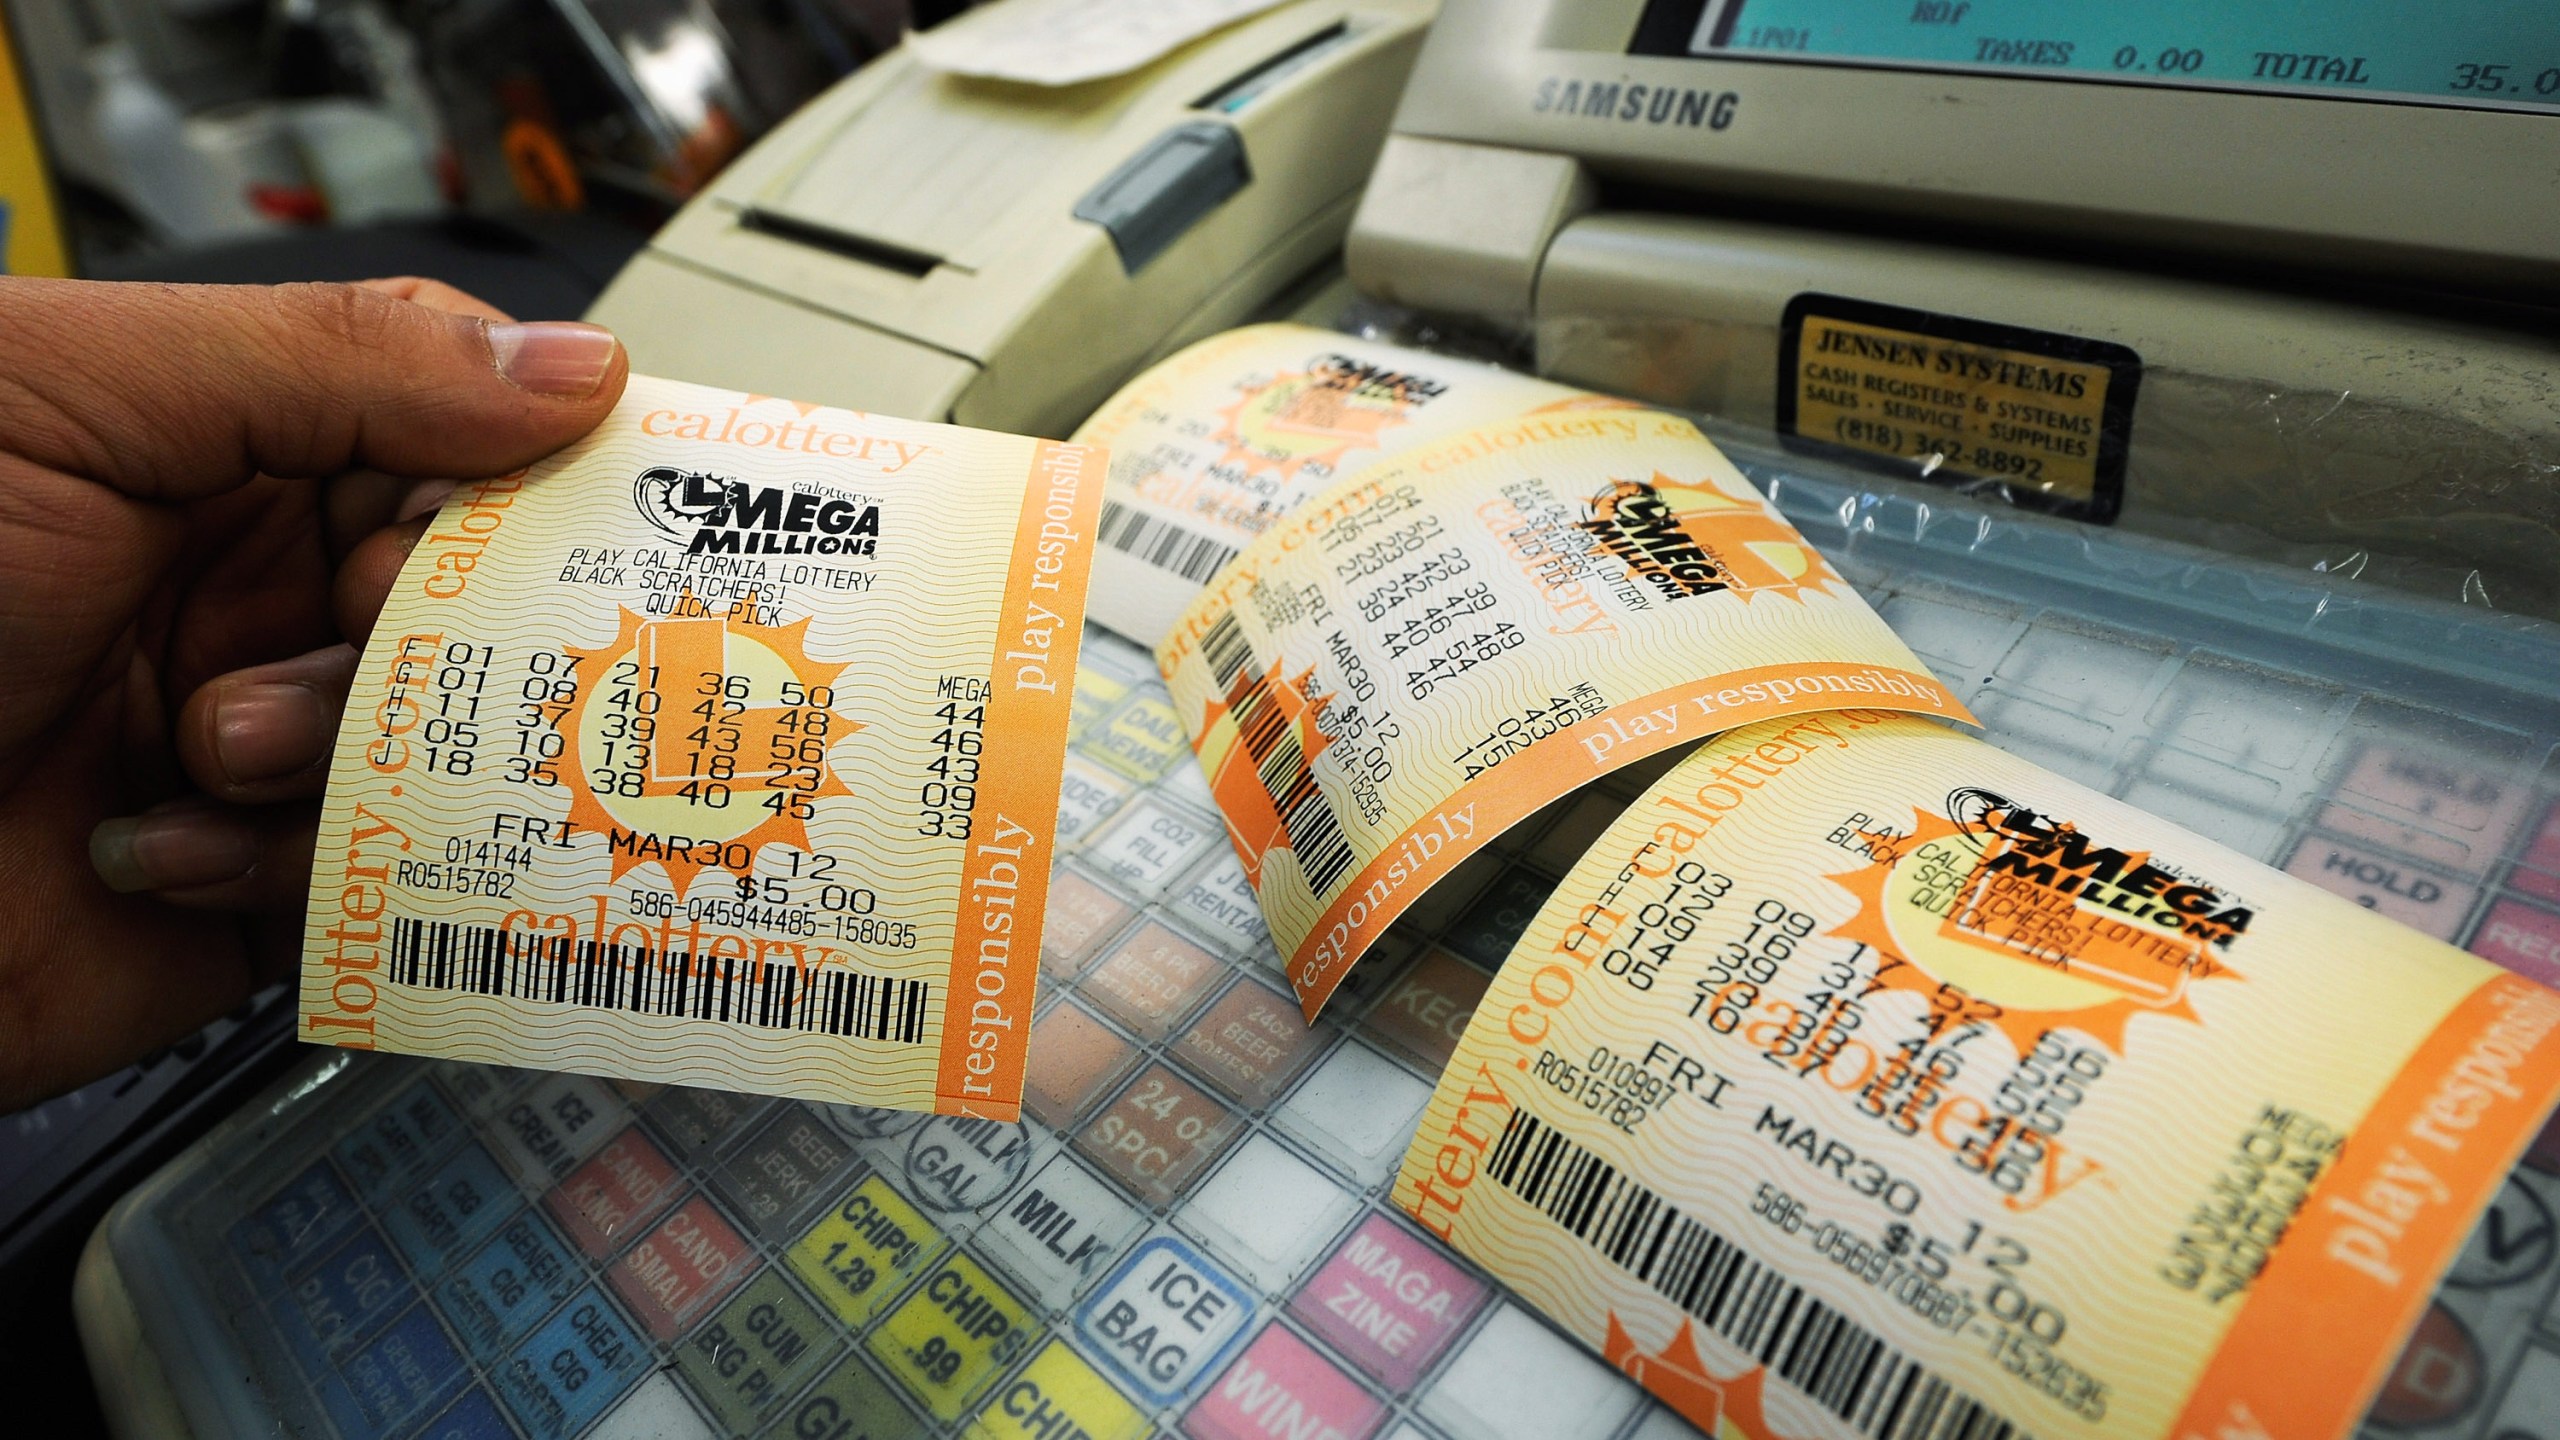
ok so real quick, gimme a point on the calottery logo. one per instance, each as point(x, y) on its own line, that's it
point(1677, 1374)
point(1690, 540)
point(717, 516)
point(691, 743)
point(1319, 415)
point(2036, 922)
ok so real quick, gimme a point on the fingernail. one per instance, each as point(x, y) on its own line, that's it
point(171, 850)
point(553, 357)
point(266, 732)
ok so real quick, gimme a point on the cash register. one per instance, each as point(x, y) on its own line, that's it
point(2262, 286)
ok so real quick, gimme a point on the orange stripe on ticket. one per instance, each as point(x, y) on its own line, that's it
point(995, 961)
point(1495, 801)
point(2357, 1266)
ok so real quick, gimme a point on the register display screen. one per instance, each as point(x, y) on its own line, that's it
point(2496, 53)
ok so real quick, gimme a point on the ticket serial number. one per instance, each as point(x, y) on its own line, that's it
point(837, 912)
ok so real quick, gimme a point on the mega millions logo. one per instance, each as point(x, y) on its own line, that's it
point(712, 515)
point(694, 742)
point(2045, 922)
point(1686, 540)
point(1319, 415)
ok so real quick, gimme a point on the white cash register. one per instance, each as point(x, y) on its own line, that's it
point(2306, 251)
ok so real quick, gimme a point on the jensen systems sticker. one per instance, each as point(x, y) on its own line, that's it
point(2048, 417)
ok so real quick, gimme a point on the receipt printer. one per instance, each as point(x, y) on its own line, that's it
point(1004, 254)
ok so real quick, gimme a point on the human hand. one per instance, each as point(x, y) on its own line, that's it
point(194, 485)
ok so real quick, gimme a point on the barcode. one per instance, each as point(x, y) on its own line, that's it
point(528, 965)
point(1844, 1367)
point(1161, 543)
point(1266, 723)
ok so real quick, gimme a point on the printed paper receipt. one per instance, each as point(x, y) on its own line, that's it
point(1066, 42)
point(722, 748)
point(1429, 653)
point(1866, 1081)
point(1226, 439)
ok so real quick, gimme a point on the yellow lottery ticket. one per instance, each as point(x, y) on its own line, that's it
point(1867, 1081)
point(1219, 443)
point(722, 748)
point(1430, 652)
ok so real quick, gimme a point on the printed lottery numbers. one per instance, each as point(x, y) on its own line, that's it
point(627, 731)
point(2049, 1082)
point(945, 802)
point(712, 745)
point(1740, 967)
point(450, 736)
point(692, 714)
point(1666, 922)
point(550, 688)
point(797, 748)
point(429, 711)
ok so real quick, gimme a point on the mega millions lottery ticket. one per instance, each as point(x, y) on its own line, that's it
point(1474, 627)
point(1226, 439)
point(722, 748)
point(1865, 1080)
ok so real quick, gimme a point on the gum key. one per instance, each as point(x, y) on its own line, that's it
point(756, 1352)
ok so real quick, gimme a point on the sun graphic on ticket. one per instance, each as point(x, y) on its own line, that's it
point(1727, 1408)
point(2039, 923)
point(701, 738)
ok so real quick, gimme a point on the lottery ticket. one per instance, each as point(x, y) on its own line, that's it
point(1221, 442)
point(1472, 628)
point(722, 748)
point(1865, 1080)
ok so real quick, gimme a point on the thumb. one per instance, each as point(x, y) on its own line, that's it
point(171, 392)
